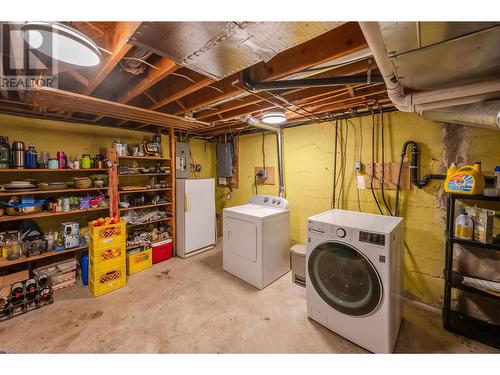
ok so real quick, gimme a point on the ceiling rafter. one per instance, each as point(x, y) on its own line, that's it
point(164, 67)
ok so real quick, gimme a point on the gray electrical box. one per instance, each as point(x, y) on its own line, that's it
point(225, 160)
point(182, 159)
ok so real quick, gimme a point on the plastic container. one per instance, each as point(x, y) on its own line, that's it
point(102, 257)
point(107, 280)
point(85, 268)
point(467, 180)
point(162, 251)
point(107, 235)
point(464, 227)
point(139, 261)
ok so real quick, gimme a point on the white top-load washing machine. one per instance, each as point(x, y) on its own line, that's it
point(354, 276)
point(256, 242)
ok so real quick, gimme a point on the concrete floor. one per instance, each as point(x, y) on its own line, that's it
point(192, 306)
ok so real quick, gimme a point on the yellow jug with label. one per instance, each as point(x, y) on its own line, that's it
point(467, 180)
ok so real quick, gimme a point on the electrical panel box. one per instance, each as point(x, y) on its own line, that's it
point(182, 159)
point(225, 160)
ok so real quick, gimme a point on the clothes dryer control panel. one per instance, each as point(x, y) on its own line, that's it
point(270, 201)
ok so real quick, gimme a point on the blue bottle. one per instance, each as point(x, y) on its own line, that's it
point(31, 158)
point(85, 268)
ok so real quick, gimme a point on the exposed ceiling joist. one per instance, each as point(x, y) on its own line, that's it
point(47, 98)
point(164, 67)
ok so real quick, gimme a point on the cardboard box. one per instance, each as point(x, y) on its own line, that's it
point(483, 223)
point(8, 280)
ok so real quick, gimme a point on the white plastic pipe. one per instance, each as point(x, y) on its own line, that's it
point(422, 101)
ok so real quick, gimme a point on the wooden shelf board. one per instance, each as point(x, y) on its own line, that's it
point(6, 263)
point(143, 158)
point(54, 170)
point(144, 174)
point(40, 192)
point(151, 243)
point(142, 190)
point(150, 222)
point(145, 206)
point(6, 218)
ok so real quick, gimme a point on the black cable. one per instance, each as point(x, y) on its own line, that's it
point(255, 184)
point(335, 163)
point(373, 165)
point(263, 151)
point(382, 181)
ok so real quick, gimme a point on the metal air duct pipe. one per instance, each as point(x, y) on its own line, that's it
point(252, 121)
point(423, 100)
point(483, 114)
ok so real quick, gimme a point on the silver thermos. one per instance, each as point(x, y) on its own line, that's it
point(18, 155)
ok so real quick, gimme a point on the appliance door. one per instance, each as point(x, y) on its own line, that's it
point(344, 278)
point(199, 210)
point(240, 238)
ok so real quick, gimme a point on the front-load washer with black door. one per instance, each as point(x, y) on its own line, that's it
point(256, 242)
point(354, 276)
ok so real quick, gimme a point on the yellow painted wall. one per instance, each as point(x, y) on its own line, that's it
point(308, 159)
point(72, 138)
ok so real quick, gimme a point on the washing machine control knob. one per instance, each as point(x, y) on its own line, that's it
point(278, 202)
point(266, 199)
point(274, 200)
point(340, 232)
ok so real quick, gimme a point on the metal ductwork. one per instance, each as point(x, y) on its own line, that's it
point(219, 49)
point(252, 121)
point(424, 57)
point(484, 114)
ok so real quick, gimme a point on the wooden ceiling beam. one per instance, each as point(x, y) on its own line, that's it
point(117, 44)
point(164, 67)
point(336, 43)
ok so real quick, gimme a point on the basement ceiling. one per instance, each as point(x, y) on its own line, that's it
point(208, 97)
point(432, 55)
point(219, 49)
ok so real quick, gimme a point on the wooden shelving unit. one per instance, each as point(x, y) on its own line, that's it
point(23, 259)
point(4, 193)
point(23, 173)
point(5, 218)
point(143, 191)
point(168, 192)
point(145, 206)
point(67, 170)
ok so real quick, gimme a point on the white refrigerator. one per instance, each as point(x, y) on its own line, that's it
point(195, 209)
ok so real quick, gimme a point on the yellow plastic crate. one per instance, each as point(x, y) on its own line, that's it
point(103, 257)
point(107, 235)
point(105, 281)
point(139, 261)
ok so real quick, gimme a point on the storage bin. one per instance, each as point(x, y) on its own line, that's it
point(139, 261)
point(107, 280)
point(107, 235)
point(103, 257)
point(162, 251)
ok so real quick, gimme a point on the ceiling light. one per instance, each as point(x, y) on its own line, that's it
point(273, 117)
point(61, 42)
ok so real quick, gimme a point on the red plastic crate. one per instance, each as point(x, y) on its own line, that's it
point(162, 251)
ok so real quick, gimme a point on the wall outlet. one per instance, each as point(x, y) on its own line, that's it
point(357, 166)
point(262, 174)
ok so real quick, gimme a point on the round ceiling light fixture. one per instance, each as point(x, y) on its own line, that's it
point(274, 117)
point(61, 42)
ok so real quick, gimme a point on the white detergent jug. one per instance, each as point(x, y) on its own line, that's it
point(464, 226)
